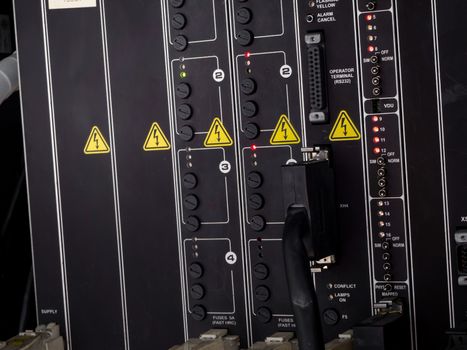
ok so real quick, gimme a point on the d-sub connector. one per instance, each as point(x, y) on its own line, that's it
point(317, 78)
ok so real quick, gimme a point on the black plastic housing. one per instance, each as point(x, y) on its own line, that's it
point(311, 185)
point(382, 332)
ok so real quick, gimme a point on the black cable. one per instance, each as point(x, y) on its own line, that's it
point(300, 281)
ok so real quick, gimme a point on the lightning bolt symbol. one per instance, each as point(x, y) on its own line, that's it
point(344, 126)
point(96, 140)
point(284, 129)
point(218, 133)
point(156, 137)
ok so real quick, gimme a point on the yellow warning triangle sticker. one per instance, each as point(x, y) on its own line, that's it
point(96, 143)
point(218, 135)
point(156, 139)
point(284, 133)
point(344, 129)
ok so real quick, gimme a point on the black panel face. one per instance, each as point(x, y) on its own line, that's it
point(88, 213)
point(155, 134)
point(453, 82)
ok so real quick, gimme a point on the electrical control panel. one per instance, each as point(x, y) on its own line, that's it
point(155, 133)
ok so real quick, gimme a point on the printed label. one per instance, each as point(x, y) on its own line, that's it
point(71, 4)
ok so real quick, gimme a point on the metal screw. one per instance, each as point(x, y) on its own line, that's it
point(180, 43)
point(186, 133)
point(190, 181)
point(197, 291)
point(243, 15)
point(196, 270)
point(256, 201)
point(191, 202)
point(251, 131)
point(248, 86)
point(254, 179)
point(183, 90)
point(257, 223)
point(184, 111)
point(177, 3)
point(198, 313)
point(331, 317)
point(264, 314)
point(245, 37)
point(261, 271)
point(178, 21)
point(262, 293)
point(192, 224)
point(249, 109)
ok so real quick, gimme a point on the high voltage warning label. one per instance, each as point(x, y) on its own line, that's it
point(218, 135)
point(156, 140)
point(344, 129)
point(96, 143)
point(284, 133)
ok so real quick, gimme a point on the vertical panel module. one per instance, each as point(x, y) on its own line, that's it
point(155, 135)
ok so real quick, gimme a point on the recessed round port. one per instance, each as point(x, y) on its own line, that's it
point(370, 6)
point(310, 18)
point(382, 182)
point(376, 91)
point(375, 70)
point(374, 59)
point(388, 288)
point(381, 172)
point(387, 266)
point(381, 161)
point(386, 256)
point(387, 277)
point(376, 81)
point(385, 245)
point(382, 193)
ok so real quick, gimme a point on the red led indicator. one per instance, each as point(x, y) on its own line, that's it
point(375, 129)
point(253, 147)
point(375, 119)
point(377, 150)
point(369, 17)
point(247, 54)
point(376, 139)
point(371, 48)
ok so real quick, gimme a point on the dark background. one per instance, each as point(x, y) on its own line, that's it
point(16, 283)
